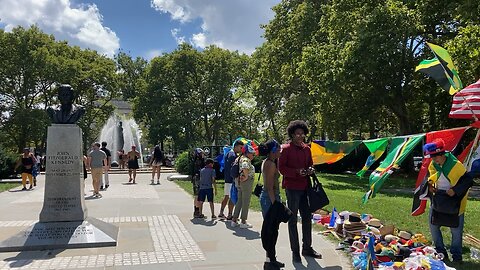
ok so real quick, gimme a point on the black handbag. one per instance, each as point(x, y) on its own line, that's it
point(316, 196)
point(258, 187)
point(443, 203)
point(443, 219)
point(445, 209)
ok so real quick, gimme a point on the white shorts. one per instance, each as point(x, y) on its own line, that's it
point(227, 188)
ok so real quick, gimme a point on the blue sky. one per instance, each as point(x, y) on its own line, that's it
point(144, 28)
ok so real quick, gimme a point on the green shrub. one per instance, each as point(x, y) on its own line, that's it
point(7, 163)
point(183, 163)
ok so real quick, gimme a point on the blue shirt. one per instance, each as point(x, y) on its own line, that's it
point(206, 178)
point(229, 159)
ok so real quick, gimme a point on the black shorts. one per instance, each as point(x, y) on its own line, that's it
point(133, 164)
point(205, 193)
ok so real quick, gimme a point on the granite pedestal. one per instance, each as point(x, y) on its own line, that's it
point(63, 219)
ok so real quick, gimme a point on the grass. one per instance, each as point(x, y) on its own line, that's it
point(7, 186)
point(391, 207)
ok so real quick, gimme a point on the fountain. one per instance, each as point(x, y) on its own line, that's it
point(121, 132)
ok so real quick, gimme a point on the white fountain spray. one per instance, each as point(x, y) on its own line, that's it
point(121, 133)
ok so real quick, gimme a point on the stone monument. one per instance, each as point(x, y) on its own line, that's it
point(63, 221)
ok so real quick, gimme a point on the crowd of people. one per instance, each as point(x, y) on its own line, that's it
point(293, 161)
point(448, 184)
point(448, 181)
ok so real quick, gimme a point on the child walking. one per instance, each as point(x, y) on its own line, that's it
point(208, 188)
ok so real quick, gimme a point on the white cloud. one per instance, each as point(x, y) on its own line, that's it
point(178, 39)
point(234, 25)
point(81, 25)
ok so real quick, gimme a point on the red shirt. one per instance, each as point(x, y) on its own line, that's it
point(292, 159)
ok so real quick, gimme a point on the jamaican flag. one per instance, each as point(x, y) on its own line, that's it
point(441, 69)
point(376, 147)
point(400, 147)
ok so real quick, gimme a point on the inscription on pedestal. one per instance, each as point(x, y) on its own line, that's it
point(59, 233)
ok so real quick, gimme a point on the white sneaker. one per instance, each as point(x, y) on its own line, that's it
point(245, 225)
point(233, 223)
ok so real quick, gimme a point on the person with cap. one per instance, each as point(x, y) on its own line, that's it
point(229, 159)
point(244, 184)
point(445, 175)
point(27, 160)
point(133, 156)
point(198, 162)
point(295, 164)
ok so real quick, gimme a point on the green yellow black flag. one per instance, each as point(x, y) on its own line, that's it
point(441, 69)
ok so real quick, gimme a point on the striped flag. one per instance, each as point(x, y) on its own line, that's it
point(466, 103)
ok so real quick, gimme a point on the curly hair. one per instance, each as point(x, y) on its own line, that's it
point(294, 125)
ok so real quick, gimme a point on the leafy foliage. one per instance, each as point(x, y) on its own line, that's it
point(183, 163)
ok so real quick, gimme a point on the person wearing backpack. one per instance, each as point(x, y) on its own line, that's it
point(244, 183)
point(229, 159)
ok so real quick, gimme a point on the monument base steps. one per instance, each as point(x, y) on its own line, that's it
point(62, 235)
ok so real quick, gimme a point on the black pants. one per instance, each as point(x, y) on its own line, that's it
point(269, 239)
point(297, 201)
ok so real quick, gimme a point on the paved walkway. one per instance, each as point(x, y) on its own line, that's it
point(156, 231)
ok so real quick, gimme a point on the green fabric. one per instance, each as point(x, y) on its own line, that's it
point(377, 148)
point(341, 147)
point(400, 147)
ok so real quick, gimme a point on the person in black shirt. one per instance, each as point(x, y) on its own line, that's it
point(106, 166)
point(198, 162)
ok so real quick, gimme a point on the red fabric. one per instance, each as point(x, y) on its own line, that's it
point(292, 159)
point(451, 137)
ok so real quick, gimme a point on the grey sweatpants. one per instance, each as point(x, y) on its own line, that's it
point(243, 201)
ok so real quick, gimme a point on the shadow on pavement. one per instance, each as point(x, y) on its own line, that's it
point(312, 263)
point(204, 222)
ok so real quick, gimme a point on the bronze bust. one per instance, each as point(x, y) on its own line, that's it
point(66, 113)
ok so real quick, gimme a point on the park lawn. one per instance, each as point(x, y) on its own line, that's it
point(7, 186)
point(391, 207)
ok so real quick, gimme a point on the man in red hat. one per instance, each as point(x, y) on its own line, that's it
point(446, 174)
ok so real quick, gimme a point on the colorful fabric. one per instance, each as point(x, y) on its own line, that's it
point(247, 143)
point(466, 103)
point(400, 147)
point(330, 152)
point(376, 147)
point(453, 170)
point(441, 69)
point(451, 137)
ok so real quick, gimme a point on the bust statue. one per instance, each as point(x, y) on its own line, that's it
point(66, 113)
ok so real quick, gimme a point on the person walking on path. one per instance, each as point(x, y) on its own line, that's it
point(244, 186)
point(27, 160)
point(270, 194)
point(447, 184)
point(208, 188)
point(106, 166)
point(133, 157)
point(96, 159)
point(229, 159)
point(156, 163)
point(198, 162)
point(295, 164)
